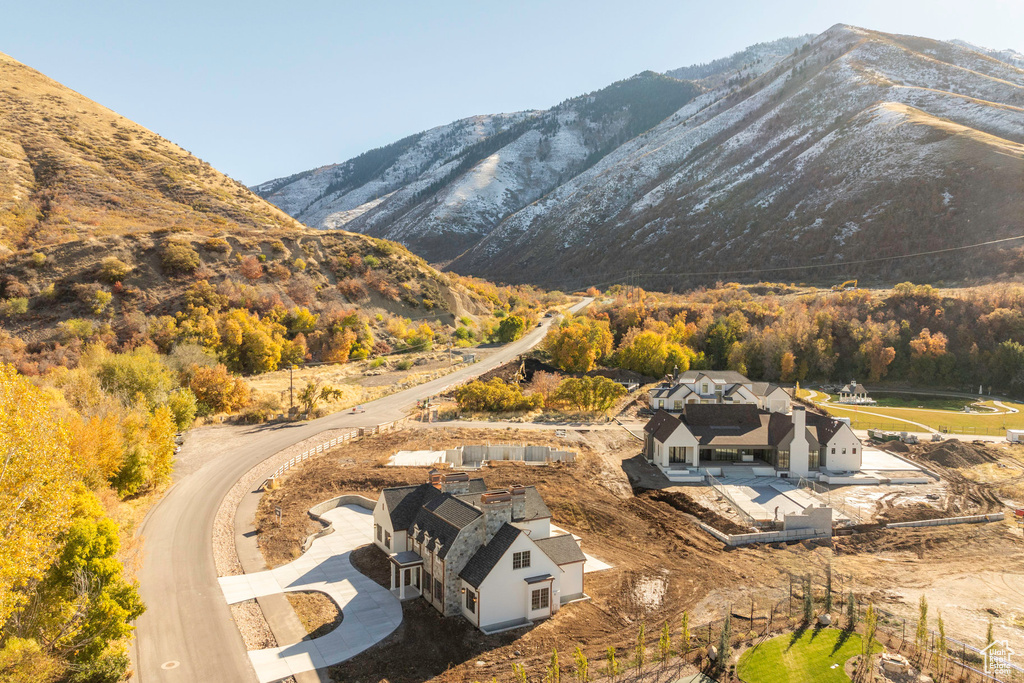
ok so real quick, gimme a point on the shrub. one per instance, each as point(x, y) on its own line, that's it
point(217, 244)
point(100, 300)
point(403, 364)
point(113, 269)
point(183, 405)
point(138, 372)
point(251, 268)
point(76, 328)
point(216, 390)
point(510, 329)
point(277, 246)
point(371, 261)
point(589, 394)
point(37, 259)
point(494, 396)
point(12, 307)
point(299, 264)
point(179, 258)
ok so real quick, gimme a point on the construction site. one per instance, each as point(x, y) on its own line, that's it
point(669, 545)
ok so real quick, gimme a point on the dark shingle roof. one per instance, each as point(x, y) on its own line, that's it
point(825, 427)
point(405, 501)
point(662, 425)
point(534, 506)
point(743, 416)
point(561, 549)
point(452, 510)
point(488, 556)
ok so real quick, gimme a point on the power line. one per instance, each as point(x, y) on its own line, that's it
point(632, 276)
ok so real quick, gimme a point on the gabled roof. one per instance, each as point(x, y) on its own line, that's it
point(441, 518)
point(824, 426)
point(720, 415)
point(853, 388)
point(725, 376)
point(405, 501)
point(660, 418)
point(534, 507)
point(561, 549)
point(763, 388)
point(488, 556)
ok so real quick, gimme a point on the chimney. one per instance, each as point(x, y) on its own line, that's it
point(799, 449)
point(455, 483)
point(497, 509)
point(518, 502)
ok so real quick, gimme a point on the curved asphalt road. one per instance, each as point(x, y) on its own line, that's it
point(187, 633)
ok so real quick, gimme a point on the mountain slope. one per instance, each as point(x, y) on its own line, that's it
point(440, 191)
point(741, 65)
point(863, 144)
point(71, 168)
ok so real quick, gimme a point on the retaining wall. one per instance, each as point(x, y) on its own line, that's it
point(474, 456)
point(320, 508)
point(971, 519)
point(766, 536)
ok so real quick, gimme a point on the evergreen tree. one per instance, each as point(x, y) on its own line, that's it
point(724, 641)
point(808, 600)
point(828, 588)
point(870, 626)
point(921, 636)
point(851, 612)
point(519, 673)
point(553, 674)
point(940, 657)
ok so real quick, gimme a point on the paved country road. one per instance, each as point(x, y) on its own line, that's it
point(187, 633)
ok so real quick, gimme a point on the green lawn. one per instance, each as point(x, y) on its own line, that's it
point(963, 423)
point(799, 657)
point(953, 403)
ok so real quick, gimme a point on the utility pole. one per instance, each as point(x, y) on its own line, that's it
point(291, 388)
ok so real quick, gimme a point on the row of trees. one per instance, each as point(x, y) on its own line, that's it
point(65, 604)
point(584, 394)
point(912, 333)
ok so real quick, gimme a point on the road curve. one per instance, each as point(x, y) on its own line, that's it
point(187, 633)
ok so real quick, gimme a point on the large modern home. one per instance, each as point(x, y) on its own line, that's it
point(719, 387)
point(799, 444)
point(489, 556)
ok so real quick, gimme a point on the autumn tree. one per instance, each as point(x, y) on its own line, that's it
point(511, 328)
point(589, 394)
point(217, 391)
point(37, 476)
point(315, 392)
point(579, 343)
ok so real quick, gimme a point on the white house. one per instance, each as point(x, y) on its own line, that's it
point(487, 555)
point(722, 387)
point(854, 393)
point(798, 444)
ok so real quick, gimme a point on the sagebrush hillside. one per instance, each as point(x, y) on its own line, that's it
point(71, 168)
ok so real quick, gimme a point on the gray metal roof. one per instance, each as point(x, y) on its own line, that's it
point(535, 508)
point(488, 556)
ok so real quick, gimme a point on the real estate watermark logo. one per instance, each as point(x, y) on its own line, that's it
point(997, 658)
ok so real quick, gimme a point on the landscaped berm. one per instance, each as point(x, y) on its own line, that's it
point(812, 654)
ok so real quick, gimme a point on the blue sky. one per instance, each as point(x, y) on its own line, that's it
point(264, 89)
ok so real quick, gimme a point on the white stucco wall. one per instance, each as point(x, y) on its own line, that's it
point(838, 461)
point(536, 528)
point(504, 594)
point(681, 437)
point(572, 579)
point(382, 517)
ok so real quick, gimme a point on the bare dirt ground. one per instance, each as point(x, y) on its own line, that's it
point(662, 563)
point(317, 612)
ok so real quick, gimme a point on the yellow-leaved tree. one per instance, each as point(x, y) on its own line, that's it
point(37, 476)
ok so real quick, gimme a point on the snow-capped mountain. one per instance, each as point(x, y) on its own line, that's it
point(861, 145)
point(858, 145)
point(440, 191)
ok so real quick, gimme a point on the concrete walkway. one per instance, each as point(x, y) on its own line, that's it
point(370, 613)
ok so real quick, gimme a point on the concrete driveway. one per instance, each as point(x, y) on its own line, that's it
point(369, 611)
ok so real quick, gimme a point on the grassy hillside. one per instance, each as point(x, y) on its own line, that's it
point(71, 168)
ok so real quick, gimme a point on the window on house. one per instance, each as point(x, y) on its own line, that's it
point(678, 405)
point(844, 451)
point(521, 560)
point(387, 540)
point(855, 450)
point(833, 451)
point(426, 581)
point(540, 599)
point(704, 389)
point(380, 531)
point(438, 590)
point(661, 404)
point(470, 601)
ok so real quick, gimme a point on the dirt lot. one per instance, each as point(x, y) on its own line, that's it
point(662, 563)
point(317, 612)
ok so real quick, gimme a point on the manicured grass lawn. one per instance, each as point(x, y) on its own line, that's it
point(927, 402)
point(800, 657)
point(978, 423)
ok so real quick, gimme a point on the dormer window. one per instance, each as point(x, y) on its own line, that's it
point(704, 388)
